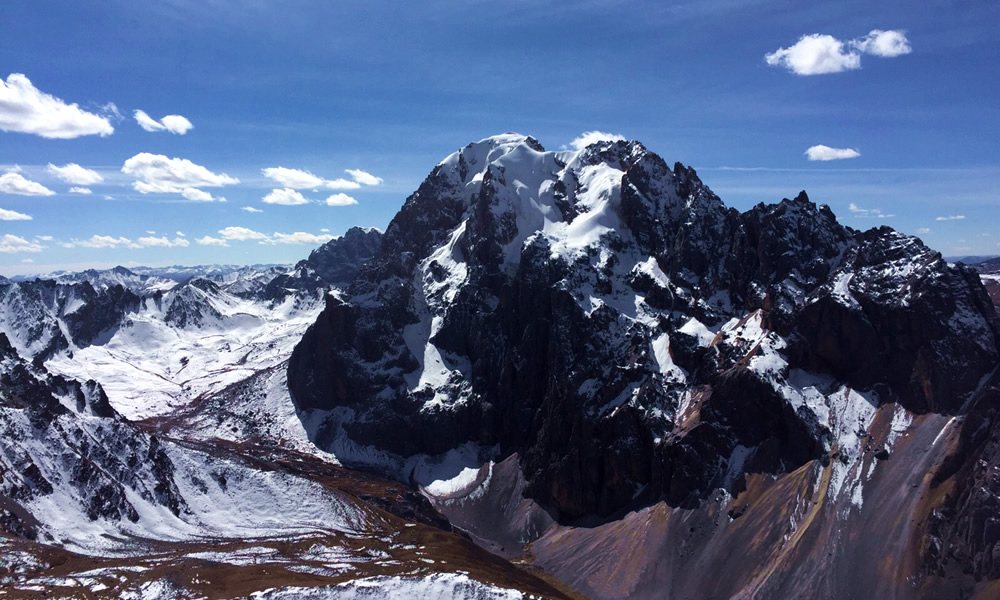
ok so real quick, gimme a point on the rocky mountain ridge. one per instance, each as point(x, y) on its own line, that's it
point(608, 322)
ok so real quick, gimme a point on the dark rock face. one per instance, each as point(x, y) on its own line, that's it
point(335, 263)
point(607, 318)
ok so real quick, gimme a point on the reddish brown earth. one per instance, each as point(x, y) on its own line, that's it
point(788, 539)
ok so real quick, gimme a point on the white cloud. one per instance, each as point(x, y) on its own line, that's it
point(15, 183)
point(883, 43)
point(75, 174)
point(163, 242)
point(924, 230)
point(10, 215)
point(177, 124)
point(286, 197)
point(298, 179)
point(172, 123)
point(25, 109)
point(342, 184)
point(180, 234)
point(819, 54)
point(325, 230)
point(44, 238)
point(251, 209)
point(211, 241)
point(11, 243)
point(590, 137)
point(27, 261)
point(196, 195)
point(821, 152)
point(300, 237)
point(101, 241)
point(951, 218)
point(80, 190)
point(156, 173)
point(241, 234)
point(293, 178)
point(340, 199)
point(363, 177)
point(868, 213)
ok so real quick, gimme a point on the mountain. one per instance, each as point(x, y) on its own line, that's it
point(593, 346)
point(185, 472)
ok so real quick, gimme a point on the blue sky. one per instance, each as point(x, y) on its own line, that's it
point(906, 92)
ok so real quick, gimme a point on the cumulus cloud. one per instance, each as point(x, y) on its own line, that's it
point(15, 183)
point(300, 237)
point(157, 174)
point(75, 174)
point(821, 152)
point(295, 179)
point(80, 190)
point(101, 241)
point(180, 234)
point(164, 242)
point(211, 241)
point(870, 213)
point(196, 195)
point(591, 137)
point(951, 218)
point(286, 197)
point(44, 238)
point(340, 199)
point(251, 209)
point(11, 243)
point(10, 215)
point(342, 184)
point(172, 123)
point(26, 109)
point(363, 177)
point(298, 179)
point(883, 43)
point(241, 234)
point(819, 54)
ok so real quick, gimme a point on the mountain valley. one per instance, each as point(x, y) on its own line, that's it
point(555, 374)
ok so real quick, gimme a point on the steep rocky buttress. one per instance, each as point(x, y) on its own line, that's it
point(608, 320)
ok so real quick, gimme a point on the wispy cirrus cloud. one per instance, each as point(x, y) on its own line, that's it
point(824, 153)
point(26, 109)
point(244, 234)
point(101, 241)
point(950, 218)
point(820, 54)
point(869, 213)
point(300, 237)
point(251, 209)
point(175, 124)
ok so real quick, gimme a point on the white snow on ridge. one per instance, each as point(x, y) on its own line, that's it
point(438, 586)
point(151, 367)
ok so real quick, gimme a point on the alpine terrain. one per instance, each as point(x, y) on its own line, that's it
point(572, 374)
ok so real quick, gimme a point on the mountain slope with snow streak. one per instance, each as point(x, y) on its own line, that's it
point(605, 322)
